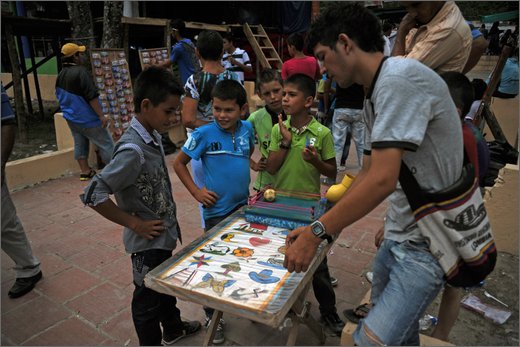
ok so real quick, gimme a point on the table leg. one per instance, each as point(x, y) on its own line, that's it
point(300, 313)
point(210, 334)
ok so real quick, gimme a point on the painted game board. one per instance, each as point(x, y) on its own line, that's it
point(237, 265)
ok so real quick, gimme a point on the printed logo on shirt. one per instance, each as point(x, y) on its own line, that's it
point(191, 143)
point(215, 146)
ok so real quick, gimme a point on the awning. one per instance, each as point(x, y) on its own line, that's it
point(499, 17)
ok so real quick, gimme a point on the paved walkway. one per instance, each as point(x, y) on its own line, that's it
point(85, 294)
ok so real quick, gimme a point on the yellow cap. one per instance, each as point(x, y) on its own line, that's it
point(70, 49)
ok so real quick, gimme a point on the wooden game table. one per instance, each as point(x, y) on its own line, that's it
point(237, 268)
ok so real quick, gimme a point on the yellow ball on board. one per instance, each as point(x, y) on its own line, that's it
point(270, 195)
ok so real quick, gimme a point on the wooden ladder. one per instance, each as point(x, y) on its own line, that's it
point(263, 47)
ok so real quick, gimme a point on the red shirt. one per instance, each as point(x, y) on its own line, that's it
point(306, 65)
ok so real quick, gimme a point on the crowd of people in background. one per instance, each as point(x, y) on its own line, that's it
point(367, 94)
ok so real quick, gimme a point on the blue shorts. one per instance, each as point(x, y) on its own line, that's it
point(98, 135)
point(407, 278)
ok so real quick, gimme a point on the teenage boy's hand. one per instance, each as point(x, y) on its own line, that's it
point(301, 248)
point(407, 23)
point(261, 165)
point(286, 134)
point(206, 197)
point(149, 229)
point(309, 154)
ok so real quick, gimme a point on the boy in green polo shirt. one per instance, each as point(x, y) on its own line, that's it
point(270, 90)
point(301, 150)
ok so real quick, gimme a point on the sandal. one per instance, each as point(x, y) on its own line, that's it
point(360, 312)
point(86, 177)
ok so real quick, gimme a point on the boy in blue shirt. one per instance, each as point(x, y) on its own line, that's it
point(225, 147)
point(138, 178)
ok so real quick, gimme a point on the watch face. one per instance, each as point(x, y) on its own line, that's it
point(317, 229)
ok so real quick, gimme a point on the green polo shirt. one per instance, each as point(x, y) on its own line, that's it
point(296, 174)
point(263, 125)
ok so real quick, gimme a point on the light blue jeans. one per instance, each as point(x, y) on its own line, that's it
point(407, 278)
point(344, 121)
point(98, 135)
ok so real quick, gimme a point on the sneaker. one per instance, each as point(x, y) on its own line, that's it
point(333, 322)
point(188, 328)
point(23, 286)
point(341, 168)
point(86, 177)
point(369, 275)
point(334, 281)
point(219, 333)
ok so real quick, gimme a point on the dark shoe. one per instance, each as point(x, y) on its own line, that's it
point(360, 312)
point(23, 286)
point(188, 328)
point(219, 337)
point(333, 322)
point(333, 281)
point(86, 177)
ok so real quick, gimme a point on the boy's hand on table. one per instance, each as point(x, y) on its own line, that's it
point(301, 248)
point(149, 229)
point(206, 197)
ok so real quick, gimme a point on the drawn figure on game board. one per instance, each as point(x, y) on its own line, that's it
point(274, 261)
point(282, 249)
point(243, 252)
point(257, 241)
point(264, 277)
point(236, 295)
point(201, 261)
point(214, 248)
point(234, 266)
point(217, 286)
point(247, 229)
point(227, 237)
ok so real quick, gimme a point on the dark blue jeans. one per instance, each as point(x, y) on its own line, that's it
point(323, 290)
point(151, 309)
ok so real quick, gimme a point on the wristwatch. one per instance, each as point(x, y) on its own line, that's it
point(318, 229)
point(285, 146)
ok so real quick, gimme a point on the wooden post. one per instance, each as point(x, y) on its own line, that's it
point(17, 86)
point(36, 82)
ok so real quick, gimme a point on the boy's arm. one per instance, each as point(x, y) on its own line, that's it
point(205, 197)
point(147, 229)
point(325, 167)
point(189, 114)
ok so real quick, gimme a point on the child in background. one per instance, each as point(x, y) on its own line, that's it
point(270, 90)
point(301, 150)
point(138, 178)
point(224, 147)
point(461, 91)
point(479, 88)
point(196, 104)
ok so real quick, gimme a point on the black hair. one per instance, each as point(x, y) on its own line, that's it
point(303, 83)
point(210, 45)
point(479, 88)
point(296, 40)
point(229, 37)
point(387, 26)
point(461, 90)
point(230, 90)
point(156, 84)
point(268, 75)
point(352, 19)
point(179, 25)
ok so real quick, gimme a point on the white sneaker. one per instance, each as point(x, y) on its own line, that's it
point(341, 168)
point(369, 275)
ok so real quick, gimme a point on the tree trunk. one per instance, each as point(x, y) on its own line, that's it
point(112, 28)
point(17, 84)
point(82, 25)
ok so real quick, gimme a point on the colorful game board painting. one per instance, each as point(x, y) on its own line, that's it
point(241, 264)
